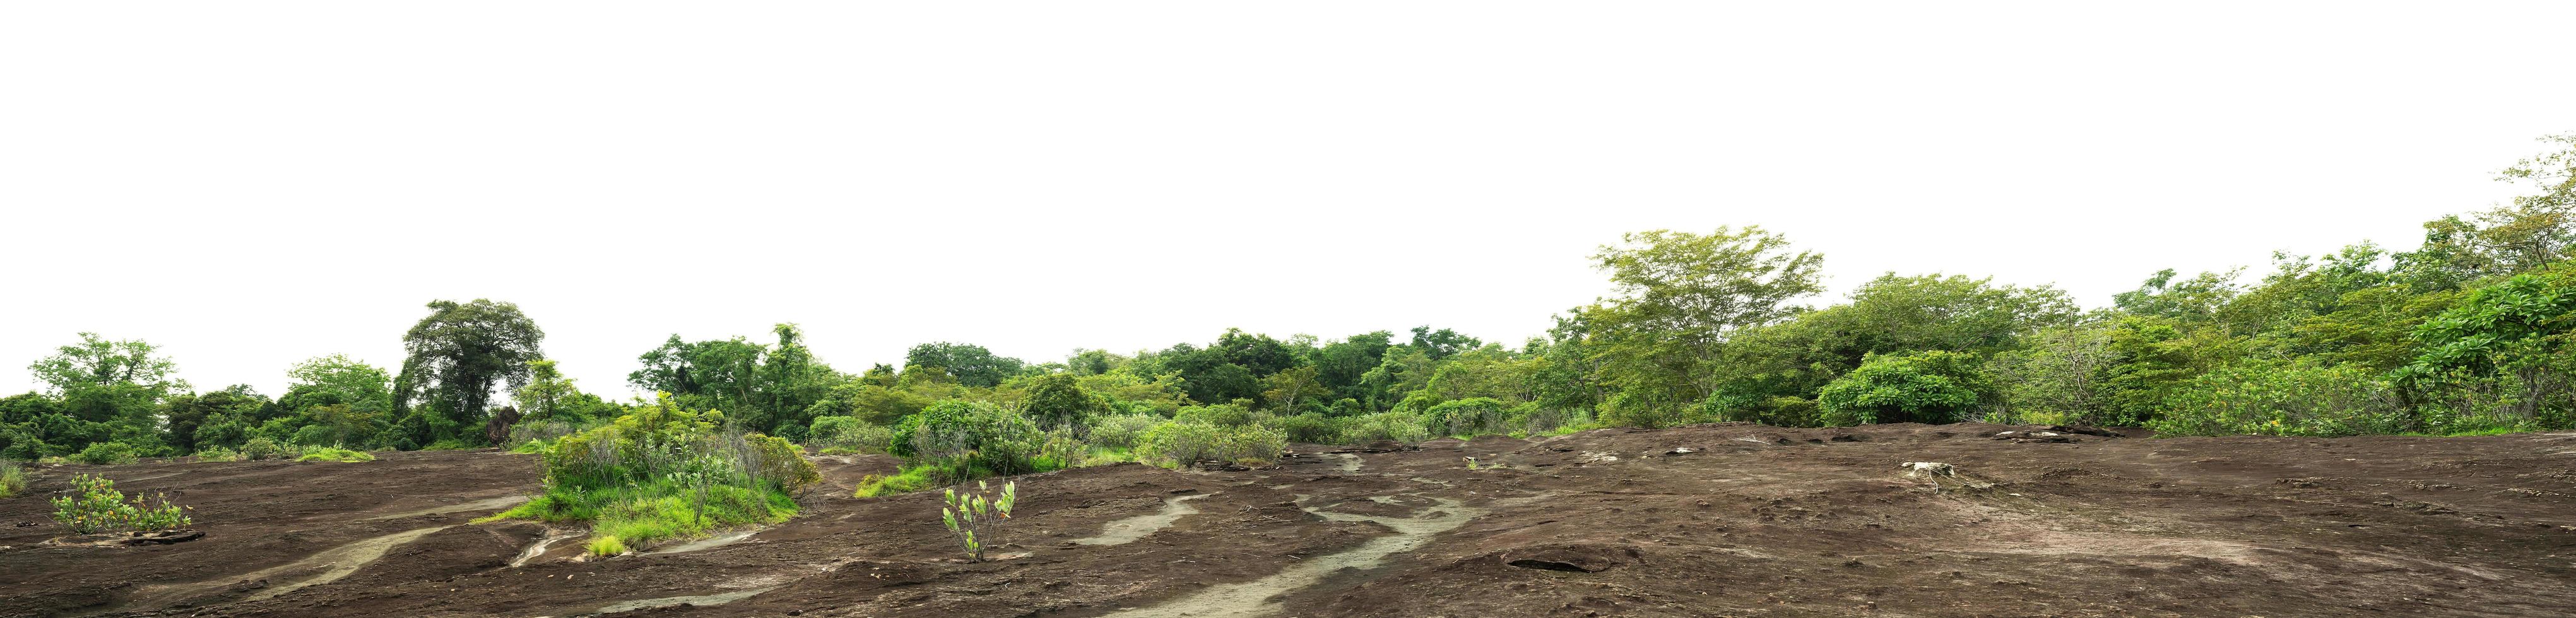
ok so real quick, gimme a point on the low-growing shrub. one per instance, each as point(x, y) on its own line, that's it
point(94, 506)
point(606, 546)
point(106, 453)
point(661, 473)
point(969, 440)
point(1121, 430)
point(1177, 444)
point(1467, 417)
point(13, 479)
point(217, 454)
point(907, 481)
point(333, 453)
point(264, 448)
point(1395, 426)
point(974, 517)
point(1311, 428)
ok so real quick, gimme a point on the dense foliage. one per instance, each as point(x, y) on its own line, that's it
point(2468, 332)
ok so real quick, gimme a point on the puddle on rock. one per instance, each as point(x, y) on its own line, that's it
point(706, 543)
point(1127, 530)
point(702, 600)
point(1253, 598)
point(487, 504)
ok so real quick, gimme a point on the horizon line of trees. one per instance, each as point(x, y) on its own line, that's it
point(2467, 332)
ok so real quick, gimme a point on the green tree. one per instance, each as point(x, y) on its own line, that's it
point(454, 358)
point(972, 365)
point(2512, 337)
point(1932, 386)
point(1679, 296)
point(1057, 400)
point(546, 393)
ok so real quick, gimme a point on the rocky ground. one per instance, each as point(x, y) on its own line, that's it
point(1711, 520)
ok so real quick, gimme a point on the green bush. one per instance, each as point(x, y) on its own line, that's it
point(106, 453)
point(1221, 415)
point(908, 480)
point(94, 506)
point(218, 454)
point(1932, 386)
point(1395, 426)
point(13, 479)
point(332, 453)
point(1121, 430)
point(970, 440)
point(1467, 417)
point(2268, 398)
point(264, 448)
point(660, 473)
point(849, 435)
point(606, 546)
point(1177, 444)
point(1311, 428)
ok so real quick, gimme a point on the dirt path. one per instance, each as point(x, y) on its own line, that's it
point(1696, 521)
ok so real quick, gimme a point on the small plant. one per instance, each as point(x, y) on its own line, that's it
point(607, 546)
point(218, 454)
point(909, 480)
point(93, 506)
point(13, 479)
point(264, 448)
point(333, 453)
point(974, 517)
point(106, 453)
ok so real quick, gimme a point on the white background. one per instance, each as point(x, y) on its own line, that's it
point(250, 184)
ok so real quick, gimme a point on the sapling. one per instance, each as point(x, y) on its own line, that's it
point(974, 517)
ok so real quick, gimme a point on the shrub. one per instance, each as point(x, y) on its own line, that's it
point(1221, 415)
point(13, 479)
point(1933, 386)
point(106, 453)
point(1119, 431)
point(2282, 399)
point(970, 439)
point(1176, 444)
point(264, 448)
point(907, 481)
point(1395, 426)
point(1774, 411)
point(546, 431)
point(94, 506)
point(660, 472)
point(974, 517)
point(218, 454)
point(333, 453)
point(849, 435)
point(1311, 428)
point(606, 546)
point(1467, 417)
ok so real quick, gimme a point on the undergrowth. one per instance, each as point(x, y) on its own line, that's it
point(332, 453)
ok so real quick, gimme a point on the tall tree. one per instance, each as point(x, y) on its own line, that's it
point(971, 364)
point(455, 357)
point(1679, 296)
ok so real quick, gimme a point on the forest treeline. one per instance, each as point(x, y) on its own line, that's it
point(2466, 333)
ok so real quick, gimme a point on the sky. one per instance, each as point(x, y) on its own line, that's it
point(249, 184)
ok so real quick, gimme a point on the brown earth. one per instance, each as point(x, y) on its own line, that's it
point(1708, 520)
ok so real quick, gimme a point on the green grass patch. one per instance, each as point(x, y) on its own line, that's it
point(13, 479)
point(916, 478)
point(332, 453)
point(655, 512)
point(530, 447)
point(607, 546)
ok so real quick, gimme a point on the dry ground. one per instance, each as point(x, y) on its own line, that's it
point(1709, 520)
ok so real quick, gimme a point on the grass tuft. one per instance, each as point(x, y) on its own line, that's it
point(329, 453)
point(606, 546)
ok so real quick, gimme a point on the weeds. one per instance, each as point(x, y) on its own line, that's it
point(94, 506)
point(909, 480)
point(333, 453)
point(106, 453)
point(607, 546)
point(13, 479)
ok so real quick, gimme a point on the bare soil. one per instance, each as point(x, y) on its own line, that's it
point(1710, 520)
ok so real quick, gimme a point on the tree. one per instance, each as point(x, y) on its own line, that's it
point(1057, 400)
point(455, 357)
point(972, 365)
point(1285, 390)
point(1932, 386)
point(98, 362)
point(2514, 334)
point(547, 390)
point(1443, 343)
point(1679, 296)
